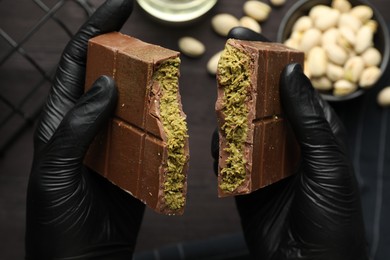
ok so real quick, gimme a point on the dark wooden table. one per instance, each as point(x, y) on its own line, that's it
point(206, 216)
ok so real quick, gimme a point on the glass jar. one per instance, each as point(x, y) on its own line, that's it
point(176, 11)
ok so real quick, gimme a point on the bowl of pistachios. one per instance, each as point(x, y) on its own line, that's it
point(346, 45)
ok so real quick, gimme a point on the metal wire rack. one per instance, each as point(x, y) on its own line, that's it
point(28, 58)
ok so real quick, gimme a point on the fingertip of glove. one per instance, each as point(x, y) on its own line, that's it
point(243, 33)
point(103, 91)
point(112, 15)
point(125, 5)
point(292, 81)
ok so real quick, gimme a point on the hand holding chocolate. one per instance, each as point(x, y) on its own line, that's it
point(316, 212)
point(144, 148)
point(257, 148)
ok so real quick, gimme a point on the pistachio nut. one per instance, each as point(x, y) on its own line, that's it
point(334, 72)
point(321, 83)
point(369, 77)
point(336, 54)
point(250, 23)
point(212, 64)
point(302, 24)
point(327, 20)
point(223, 23)
point(344, 87)
point(277, 2)
point(257, 10)
point(348, 20)
point(371, 57)
point(383, 97)
point(342, 5)
point(317, 61)
point(363, 12)
point(310, 38)
point(319, 10)
point(353, 68)
point(191, 46)
point(330, 36)
point(364, 39)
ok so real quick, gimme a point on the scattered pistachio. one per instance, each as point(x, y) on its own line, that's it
point(223, 23)
point(383, 97)
point(212, 64)
point(250, 23)
point(191, 46)
point(277, 2)
point(257, 10)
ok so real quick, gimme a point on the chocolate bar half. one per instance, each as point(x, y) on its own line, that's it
point(256, 147)
point(144, 149)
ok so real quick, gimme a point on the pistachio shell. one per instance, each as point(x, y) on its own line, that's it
point(319, 10)
point(372, 57)
point(310, 38)
point(342, 5)
point(257, 10)
point(317, 61)
point(336, 54)
point(330, 36)
point(277, 2)
point(348, 36)
point(348, 20)
point(353, 68)
point(302, 24)
point(321, 83)
point(223, 23)
point(327, 20)
point(334, 72)
point(369, 77)
point(250, 23)
point(363, 12)
point(191, 46)
point(364, 39)
point(384, 97)
point(212, 64)
point(344, 87)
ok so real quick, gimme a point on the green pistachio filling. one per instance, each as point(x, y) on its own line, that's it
point(175, 128)
point(233, 77)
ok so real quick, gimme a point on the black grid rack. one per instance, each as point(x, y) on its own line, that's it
point(30, 47)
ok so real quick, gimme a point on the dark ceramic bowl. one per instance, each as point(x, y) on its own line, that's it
point(381, 38)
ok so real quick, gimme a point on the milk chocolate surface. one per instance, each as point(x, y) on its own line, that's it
point(132, 150)
point(268, 149)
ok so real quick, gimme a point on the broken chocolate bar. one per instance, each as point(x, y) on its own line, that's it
point(256, 147)
point(144, 149)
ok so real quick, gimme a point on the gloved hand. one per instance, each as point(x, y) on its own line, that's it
point(316, 213)
point(72, 212)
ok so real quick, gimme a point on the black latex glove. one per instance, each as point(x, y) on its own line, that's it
point(72, 212)
point(316, 213)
